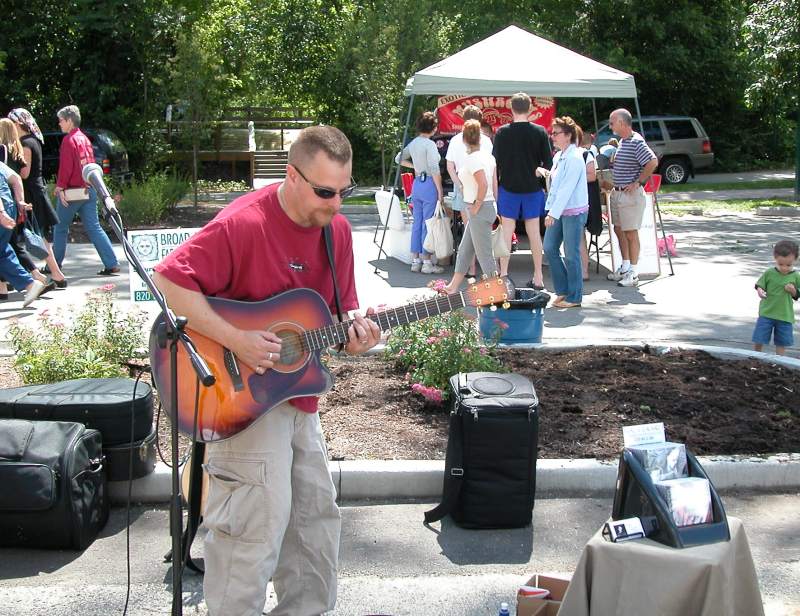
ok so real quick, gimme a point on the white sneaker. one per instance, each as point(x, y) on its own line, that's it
point(629, 280)
point(416, 266)
point(430, 268)
point(617, 275)
point(32, 293)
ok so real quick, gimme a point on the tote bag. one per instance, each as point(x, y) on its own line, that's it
point(34, 243)
point(439, 240)
point(499, 246)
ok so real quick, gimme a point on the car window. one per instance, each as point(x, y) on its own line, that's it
point(652, 130)
point(680, 129)
point(603, 135)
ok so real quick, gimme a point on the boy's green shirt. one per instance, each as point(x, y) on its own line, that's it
point(778, 303)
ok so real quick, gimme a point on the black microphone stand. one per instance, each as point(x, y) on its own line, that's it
point(174, 333)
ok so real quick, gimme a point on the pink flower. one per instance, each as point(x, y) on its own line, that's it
point(499, 323)
point(107, 288)
point(483, 351)
point(443, 333)
point(466, 350)
point(401, 352)
point(437, 285)
point(429, 393)
point(432, 340)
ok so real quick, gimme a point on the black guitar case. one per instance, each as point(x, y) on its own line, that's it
point(101, 404)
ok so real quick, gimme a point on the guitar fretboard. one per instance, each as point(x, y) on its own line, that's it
point(336, 333)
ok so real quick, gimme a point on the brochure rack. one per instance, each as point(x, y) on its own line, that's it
point(636, 496)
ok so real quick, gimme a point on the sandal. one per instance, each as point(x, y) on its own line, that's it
point(109, 271)
point(563, 304)
point(60, 284)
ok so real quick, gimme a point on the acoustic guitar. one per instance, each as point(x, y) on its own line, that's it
point(302, 320)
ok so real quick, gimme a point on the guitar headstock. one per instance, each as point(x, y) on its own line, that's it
point(488, 292)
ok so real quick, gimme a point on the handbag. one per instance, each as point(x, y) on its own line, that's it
point(34, 243)
point(439, 240)
point(71, 195)
point(500, 249)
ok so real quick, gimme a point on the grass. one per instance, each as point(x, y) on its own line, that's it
point(730, 205)
point(359, 201)
point(755, 184)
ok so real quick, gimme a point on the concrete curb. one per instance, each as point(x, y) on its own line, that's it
point(415, 479)
point(359, 480)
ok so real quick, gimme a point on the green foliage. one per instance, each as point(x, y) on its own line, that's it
point(94, 342)
point(148, 201)
point(433, 350)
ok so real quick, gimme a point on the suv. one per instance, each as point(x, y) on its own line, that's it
point(109, 153)
point(681, 144)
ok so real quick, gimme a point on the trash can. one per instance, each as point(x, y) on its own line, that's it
point(520, 323)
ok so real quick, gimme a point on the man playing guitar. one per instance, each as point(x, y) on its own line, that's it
point(271, 510)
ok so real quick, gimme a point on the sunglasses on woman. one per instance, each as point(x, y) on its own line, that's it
point(327, 193)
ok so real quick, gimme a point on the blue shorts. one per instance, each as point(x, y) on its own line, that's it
point(520, 205)
point(458, 199)
point(764, 328)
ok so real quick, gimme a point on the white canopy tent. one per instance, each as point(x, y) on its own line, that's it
point(515, 60)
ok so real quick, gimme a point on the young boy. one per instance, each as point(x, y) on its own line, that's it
point(777, 287)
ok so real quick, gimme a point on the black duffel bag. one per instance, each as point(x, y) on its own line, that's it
point(490, 466)
point(53, 484)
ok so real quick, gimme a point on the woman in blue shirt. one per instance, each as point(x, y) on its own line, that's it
point(567, 208)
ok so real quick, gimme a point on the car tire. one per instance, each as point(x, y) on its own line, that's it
point(675, 171)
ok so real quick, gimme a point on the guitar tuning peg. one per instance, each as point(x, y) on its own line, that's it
point(471, 280)
point(493, 308)
point(484, 277)
point(506, 305)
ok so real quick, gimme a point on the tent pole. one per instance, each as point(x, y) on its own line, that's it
point(639, 115)
point(394, 184)
point(594, 112)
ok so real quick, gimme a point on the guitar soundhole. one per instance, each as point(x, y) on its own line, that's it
point(291, 346)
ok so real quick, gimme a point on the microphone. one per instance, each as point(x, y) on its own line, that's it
point(93, 174)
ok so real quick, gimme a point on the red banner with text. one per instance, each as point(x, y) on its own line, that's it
point(496, 111)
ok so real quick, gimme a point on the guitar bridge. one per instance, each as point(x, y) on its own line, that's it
point(232, 366)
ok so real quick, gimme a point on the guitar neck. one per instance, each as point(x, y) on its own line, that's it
point(336, 333)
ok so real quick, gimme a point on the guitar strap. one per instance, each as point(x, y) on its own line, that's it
point(328, 235)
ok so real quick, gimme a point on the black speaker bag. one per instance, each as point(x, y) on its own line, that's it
point(53, 484)
point(102, 404)
point(118, 458)
point(490, 466)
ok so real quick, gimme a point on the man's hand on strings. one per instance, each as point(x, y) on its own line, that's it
point(259, 350)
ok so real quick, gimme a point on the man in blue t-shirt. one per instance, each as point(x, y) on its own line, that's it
point(519, 149)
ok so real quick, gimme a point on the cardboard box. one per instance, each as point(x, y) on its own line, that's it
point(529, 606)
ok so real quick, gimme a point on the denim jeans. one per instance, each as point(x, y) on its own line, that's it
point(10, 269)
point(87, 210)
point(567, 274)
point(424, 196)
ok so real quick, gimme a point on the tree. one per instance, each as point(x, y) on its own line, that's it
point(772, 34)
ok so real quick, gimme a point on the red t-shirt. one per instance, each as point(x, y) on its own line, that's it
point(76, 151)
point(252, 250)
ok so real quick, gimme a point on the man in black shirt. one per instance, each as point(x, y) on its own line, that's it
point(519, 149)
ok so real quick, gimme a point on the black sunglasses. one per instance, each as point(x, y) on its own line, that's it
point(328, 193)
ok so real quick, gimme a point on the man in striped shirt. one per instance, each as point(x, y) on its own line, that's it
point(634, 163)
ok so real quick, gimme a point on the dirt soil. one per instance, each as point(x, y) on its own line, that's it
point(586, 396)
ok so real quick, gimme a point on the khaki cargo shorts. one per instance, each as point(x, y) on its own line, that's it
point(627, 209)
